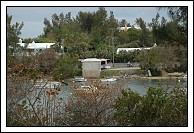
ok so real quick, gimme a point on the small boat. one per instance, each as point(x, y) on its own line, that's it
point(80, 79)
point(47, 84)
point(108, 80)
point(40, 84)
point(64, 83)
point(54, 85)
point(86, 88)
point(185, 77)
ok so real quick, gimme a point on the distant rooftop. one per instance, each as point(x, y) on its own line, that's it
point(90, 59)
point(34, 45)
point(133, 49)
point(125, 28)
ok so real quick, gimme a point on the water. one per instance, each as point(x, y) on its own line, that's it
point(138, 85)
point(65, 92)
point(141, 85)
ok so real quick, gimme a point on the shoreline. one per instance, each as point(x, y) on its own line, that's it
point(138, 77)
point(161, 77)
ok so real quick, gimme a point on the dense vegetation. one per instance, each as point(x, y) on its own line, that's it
point(156, 108)
point(93, 35)
point(104, 106)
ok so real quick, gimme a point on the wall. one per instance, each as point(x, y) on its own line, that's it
point(91, 69)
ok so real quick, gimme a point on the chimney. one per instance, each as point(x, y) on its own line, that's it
point(20, 40)
point(125, 27)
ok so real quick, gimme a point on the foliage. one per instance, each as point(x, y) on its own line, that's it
point(104, 106)
point(92, 34)
point(134, 34)
point(18, 88)
point(13, 32)
point(44, 40)
point(46, 60)
point(66, 67)
point(110, 73)
point(151, 59)
point(156, 108)
point(103, 51)
point(98, 30)
point(180, 16)
point(124, 57)
point(173, 31)
point(30, 106)
point(125, 108)
point(144, 32)
point(91, 107)
point(168, 58)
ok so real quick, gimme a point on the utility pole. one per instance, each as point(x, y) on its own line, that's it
point(113, 60)
point(113, 47)
point(62, 43)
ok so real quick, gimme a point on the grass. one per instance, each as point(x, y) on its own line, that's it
point(109, 73)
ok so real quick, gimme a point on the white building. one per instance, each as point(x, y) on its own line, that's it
point(35, 47)
point(125, 28)
point(91, 68)
point(133, 49)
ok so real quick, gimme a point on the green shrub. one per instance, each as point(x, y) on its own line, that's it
point(156, 108)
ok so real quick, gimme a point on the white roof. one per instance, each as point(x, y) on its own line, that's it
point(123, 28)
point(133, 49)
point(104, 59)
point(130, 49)
point(90, 60)
point(34, 45)
point(126, 28)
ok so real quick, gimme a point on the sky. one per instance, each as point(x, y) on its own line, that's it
point(33, 17)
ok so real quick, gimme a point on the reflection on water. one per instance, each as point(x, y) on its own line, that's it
point(65, 92)
point(141, 85)
point(54, 103)
point(138, 85)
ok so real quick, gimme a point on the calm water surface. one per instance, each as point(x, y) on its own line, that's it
point(138, 85)
point(141, 85)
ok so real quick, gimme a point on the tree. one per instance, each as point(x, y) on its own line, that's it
point(122, 23)
point(46, 60)
point(154, 25)
point(179, 16)
point(166, 33)
point(151, 60)
point(144, 31)
point(125, 106)
point(174, 35)
point(93, 107)
point(133, 34)
point(13, 32)
point(159, 107)
point(102, 51)
point(85, 20)
point(31, 106)
point(66, 67)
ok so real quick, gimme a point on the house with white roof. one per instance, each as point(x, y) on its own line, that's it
point(133, 49)
point(125, 28)
point(35, 47)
